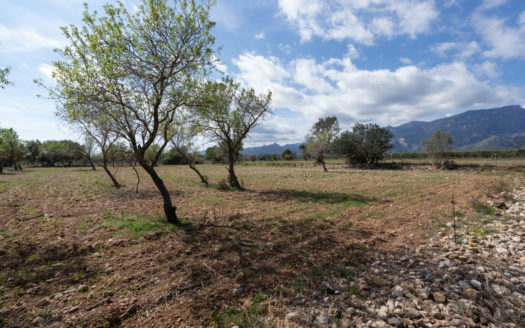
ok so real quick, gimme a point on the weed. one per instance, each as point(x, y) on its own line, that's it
point(481, 207)
point(354, 291)
point(345, 273)
point(250, 316)
point(376, 283)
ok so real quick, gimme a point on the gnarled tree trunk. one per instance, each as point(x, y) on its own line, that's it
point(111, 176)
point(232, 178)
point(194, 168)
point(169, 209)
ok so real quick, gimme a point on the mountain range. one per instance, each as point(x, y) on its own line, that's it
point(495, 128)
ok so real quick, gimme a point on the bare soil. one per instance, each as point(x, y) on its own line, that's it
point(76, 252)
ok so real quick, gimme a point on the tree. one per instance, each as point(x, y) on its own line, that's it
point(320, 138)
point(136, 70)
point(288, 155)
point(365, 144)
point(183, 143)
point(437, 146)
point(88, 148)
point(12, 149)
point(229, 112)
point(63, 151)
point(33, 150)
point(215, 154)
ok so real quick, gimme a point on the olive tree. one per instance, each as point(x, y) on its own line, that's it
point(438, 146)
point(228, 113)
point(135, 69)
point(320, 138)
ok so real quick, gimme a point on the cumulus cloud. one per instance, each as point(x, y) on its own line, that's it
point(337, 87)
point(361, 21)
point(505, 40)
point(24, 40)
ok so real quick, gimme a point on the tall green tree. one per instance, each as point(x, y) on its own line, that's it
point(364, 144)
point(320, 138)
point(437, 147)
point(136, 69)
point(12, 149)
point(229, 113)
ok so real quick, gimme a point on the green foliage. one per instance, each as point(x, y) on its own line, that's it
point(228, 113)
point(288, 155)
point(33, 150)
point(3, 77)
point(12, 149)
point(320, 138)
point(438, 146)
point(64, 152)
point(365, 144)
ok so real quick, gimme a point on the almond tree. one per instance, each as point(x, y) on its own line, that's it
point(321, 137)
point(228, 113)
point(136, 69)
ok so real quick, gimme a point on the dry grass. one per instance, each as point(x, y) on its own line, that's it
point(290, 222)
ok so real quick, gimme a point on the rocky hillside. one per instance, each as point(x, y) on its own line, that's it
point(496, 128)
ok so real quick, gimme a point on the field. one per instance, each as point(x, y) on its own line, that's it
point(76, 252)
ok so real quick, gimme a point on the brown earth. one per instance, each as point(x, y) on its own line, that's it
point(76, 252)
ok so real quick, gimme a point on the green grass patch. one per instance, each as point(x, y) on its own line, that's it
point(480, 207)
point(249, 316)
point(139, 224)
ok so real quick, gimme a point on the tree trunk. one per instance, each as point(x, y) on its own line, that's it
point(108, 172)
point(111, 176)
point(234, 182)
point(203, 179)
point(1, 168)
point(324, 165)
point(169, 209)
point(91, 163)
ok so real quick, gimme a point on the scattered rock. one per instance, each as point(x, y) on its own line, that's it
point(438, 297)
point(322, 319)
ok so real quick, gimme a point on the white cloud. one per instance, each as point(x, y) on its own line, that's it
point(406, 61)
point(505, 41)
point(337, 87)
point(461, 50)
point(46, 69)
point(361, 21)
point(488, 4)
point(259, 36)
point(352, 52)
point(24, 40)
point(488, 69)
point(219, 65)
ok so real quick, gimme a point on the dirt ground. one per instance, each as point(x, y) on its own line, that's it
point(75, 252)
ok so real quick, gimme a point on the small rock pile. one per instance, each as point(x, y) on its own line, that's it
point(478, 282)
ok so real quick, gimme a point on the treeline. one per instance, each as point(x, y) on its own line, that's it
point(458, 154)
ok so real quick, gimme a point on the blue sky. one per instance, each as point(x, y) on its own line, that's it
point(380, 61)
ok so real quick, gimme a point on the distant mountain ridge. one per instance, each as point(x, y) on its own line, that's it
point(483, 129)
point(495, 128)
point(271, 149)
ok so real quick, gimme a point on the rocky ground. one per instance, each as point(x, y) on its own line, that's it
point(476, 281)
